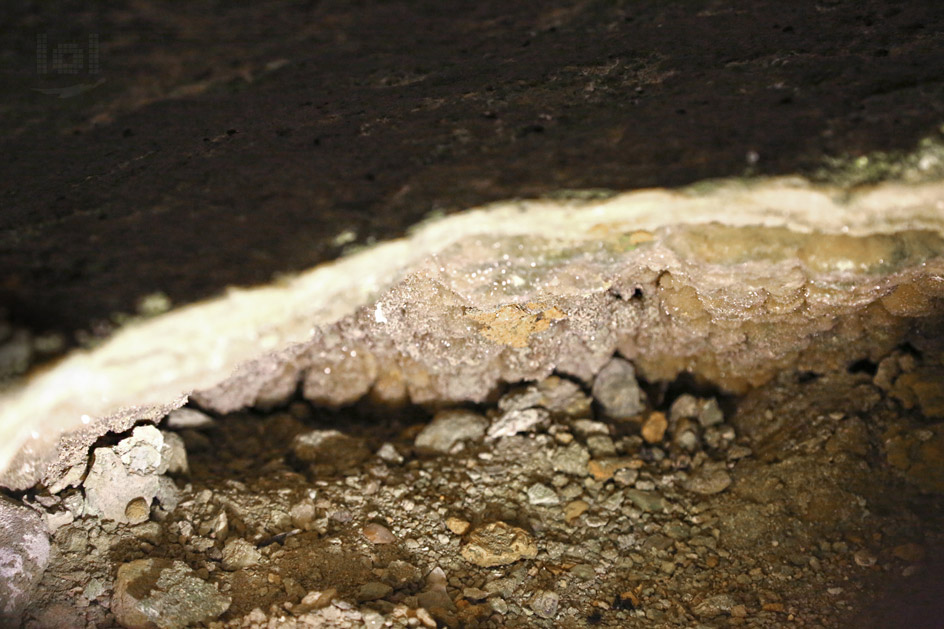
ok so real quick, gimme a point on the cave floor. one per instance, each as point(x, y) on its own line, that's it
point(804, 502)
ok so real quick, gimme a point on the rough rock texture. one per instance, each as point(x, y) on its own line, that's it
point(617, 391)
point(498, 544)
point(261, 138)
point(449, 428)
point(24, 554)
point(164, 594)
point(124, 480)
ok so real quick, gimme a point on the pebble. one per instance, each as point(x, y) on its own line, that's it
point(498, 544)
point(378, 534)
point(604, 469)
point(517, 421)
point(864, 558)
point(616, 389)
point(626, 476)
point(184, 418)
point(707, 481)
point(24, 554)
point(542, 495)
point(545, 603)
point(329, 447)
point(653, 429)
point(646, 500)
point(450, 427)
point(164, 594)
point(910, 552)
point(714, 606)
point(238, 553)
point(587, 427)
point(388, 453)
point(575, 509)
point(571, 460)
point(372, 591)
point(601, 445)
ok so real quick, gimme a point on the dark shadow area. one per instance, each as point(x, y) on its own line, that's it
point(186, 147)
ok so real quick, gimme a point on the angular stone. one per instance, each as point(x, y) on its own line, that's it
point(616, 389)
point(542, 495)
point(124, 480)
point(571, 460)
point(165, 594)
point(329, 447)
point(515, 421)
point(498, 544)
point(24, 553)
point(238, 553)
point(450, 427)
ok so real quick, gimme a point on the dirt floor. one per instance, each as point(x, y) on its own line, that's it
point(808, 502)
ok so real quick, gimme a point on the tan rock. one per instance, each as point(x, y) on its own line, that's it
point(654, 427)
point(457, 525)
point(604, 469)
point(575, 509)
point(498, 544)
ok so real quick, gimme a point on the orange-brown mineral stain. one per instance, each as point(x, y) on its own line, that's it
point(513, 325)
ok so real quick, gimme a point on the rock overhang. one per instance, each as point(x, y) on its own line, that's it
point(731, 281)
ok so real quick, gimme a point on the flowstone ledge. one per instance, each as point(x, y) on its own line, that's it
point(730, 282)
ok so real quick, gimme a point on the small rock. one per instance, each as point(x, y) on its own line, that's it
point(709, 413)
point(238, 553)
point(124, 480)
point(653, 429)
point(910, 552)
point(184, 418)
point(316, 599)
point(24, 554)
point(303, 514)
point(329, 447)
point(450, 427)
point(164, 594)
point(708, 480)
point(539, 494)
point(616, 389)
point(175, 454)
point(399, 574)
point(685, 405)
point(498, 544)
point(571, 460)
point(646, 500)
point(685, 435)
point(373, 591)
point(474, 594)
point(864, 558)
point(714, 606)
point(556, 394)
point(575, 509)
point(388, 453)
point(545, 603)
point(516, 421)
point(457, 525)
point(626, 477)
point(378, 534)
point(601, 445)
point(604, 469)
point(587, 427)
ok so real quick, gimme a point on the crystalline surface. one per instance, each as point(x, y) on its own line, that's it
point(732, 284)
